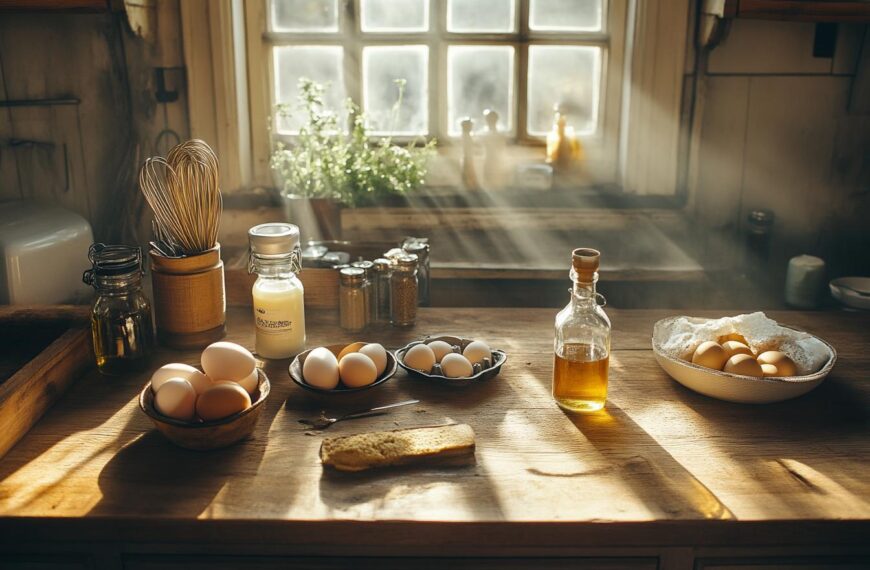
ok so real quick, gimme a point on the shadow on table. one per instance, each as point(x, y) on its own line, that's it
point(814, 441)
point(152, 476)
point(660, 481)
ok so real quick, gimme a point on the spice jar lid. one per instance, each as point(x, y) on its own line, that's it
point(382, 264)
point(273, 238)
point(416, 247)
point(584, 262)
point(352, 275)
point(406, 261)
point(365, 265)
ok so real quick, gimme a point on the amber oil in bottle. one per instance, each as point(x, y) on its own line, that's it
point(582, 341)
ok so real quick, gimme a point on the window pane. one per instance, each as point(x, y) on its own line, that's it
point(383, 67)
point(322, 64)
point(479, 78)
point(305, 15)
point(567, 76)
point(394, 15)
point(480, 16)
point(567, 15)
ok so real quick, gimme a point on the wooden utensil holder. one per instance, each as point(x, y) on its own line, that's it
point(189, 298)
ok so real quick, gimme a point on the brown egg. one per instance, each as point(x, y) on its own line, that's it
point(222, 400)
point(352, 347)
point(769, 370)
point(785, 366)
point(733, 347)
point(710, 355)
point(744, 364)
point(735, 337)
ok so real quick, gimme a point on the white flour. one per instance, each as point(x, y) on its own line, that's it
point(681, 336)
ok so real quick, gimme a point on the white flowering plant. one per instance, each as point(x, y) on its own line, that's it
point(325, 161)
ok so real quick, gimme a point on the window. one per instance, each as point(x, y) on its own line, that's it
point(456, 58)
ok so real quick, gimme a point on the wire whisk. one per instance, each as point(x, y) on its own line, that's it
point(183, 191)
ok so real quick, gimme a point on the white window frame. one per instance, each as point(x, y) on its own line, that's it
point(635, 137)
point(601, 148)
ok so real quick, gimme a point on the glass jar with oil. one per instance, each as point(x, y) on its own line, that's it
point(582, 344)
point(121, 324)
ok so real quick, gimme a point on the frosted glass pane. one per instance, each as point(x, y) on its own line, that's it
point(305, 15)
point(569, 15)
point(471, 16)
point(568, 76)
point(382, 67)
point(322, 64)
point(479, 78)
point(394, 15)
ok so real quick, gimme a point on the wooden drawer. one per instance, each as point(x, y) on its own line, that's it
point(44, 562)
point(380, 563)
point(785, 563)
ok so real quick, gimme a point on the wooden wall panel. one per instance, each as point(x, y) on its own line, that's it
point(791, 128)
point(767, 47)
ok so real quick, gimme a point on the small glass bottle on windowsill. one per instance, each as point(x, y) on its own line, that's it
point(582, 343)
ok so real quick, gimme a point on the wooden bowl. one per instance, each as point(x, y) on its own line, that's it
point(499, 357)
point(735, 387)
point(296, 372)
point(201, 435)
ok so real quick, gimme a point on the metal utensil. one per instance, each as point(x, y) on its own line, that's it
point(324, 422)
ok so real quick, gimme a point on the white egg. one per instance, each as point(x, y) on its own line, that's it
point(197, 379)
point(420, 357)
point(251, 382)
point(476, 351)
point(456, 366)
point(320, 369)
point(378, 355)
point(440, 348)
point(227, 361)
point(176, 399)
point(357, 370)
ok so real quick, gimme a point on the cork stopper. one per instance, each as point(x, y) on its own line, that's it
point(585, 262)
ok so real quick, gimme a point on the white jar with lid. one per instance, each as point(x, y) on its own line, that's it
point(279, 307)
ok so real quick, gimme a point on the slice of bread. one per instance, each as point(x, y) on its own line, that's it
point(441, 445)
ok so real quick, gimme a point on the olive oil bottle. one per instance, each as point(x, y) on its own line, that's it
point(582, 343)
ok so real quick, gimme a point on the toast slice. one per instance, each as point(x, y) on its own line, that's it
point(441, 445)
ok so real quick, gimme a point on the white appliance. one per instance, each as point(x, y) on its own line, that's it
point(43, 253)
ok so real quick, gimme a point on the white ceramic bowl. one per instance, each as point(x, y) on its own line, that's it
point(734, 387)
point(847, 290)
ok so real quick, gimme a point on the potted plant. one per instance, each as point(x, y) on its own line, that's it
point(325, 167)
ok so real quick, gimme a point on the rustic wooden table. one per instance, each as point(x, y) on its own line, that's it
point(663, 477)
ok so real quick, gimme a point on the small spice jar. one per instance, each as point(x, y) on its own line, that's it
point(368, 267)
point(403, 291)
point(121, 325)
point(420, 248)
point(381, 272)
point(353, 309)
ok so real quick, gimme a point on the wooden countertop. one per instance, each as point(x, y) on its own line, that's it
point(660, 465)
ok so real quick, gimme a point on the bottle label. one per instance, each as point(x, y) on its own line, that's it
point(273, 320)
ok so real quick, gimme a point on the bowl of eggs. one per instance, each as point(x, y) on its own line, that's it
point(343, 368)
point(210, 407)
point(451, 360)
point(761, 362)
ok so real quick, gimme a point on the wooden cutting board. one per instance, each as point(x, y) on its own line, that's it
point(43, 349)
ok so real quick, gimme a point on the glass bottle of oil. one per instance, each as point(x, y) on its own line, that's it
point(582, 344)
point(121, 325)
